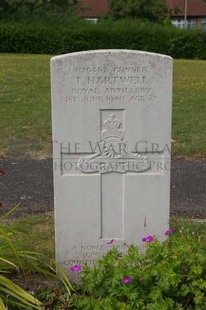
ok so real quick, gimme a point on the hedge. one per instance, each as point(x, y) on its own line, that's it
point(39, 38)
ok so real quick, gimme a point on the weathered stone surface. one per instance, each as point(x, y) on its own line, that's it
point(111, 134)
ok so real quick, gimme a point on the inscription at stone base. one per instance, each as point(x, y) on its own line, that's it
point(92, 252)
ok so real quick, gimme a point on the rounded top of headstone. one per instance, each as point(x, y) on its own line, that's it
point(111, 51)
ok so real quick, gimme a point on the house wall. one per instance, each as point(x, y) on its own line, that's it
point(199, 23)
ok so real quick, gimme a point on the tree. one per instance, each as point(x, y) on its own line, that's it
point(11, 6)
point(153, 10)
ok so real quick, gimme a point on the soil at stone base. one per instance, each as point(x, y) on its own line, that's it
point(32, 282)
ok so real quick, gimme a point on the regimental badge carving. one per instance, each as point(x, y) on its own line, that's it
point(113, 154)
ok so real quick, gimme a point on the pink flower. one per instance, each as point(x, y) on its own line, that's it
point(126, 280)
point(75, 268)
point(148, 239)
point(111, 241)
point(169, 231)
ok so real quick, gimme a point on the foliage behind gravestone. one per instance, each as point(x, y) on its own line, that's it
point(152, 10)
point(41, 37)
point(30, 6)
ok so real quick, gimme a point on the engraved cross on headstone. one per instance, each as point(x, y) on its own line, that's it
point(111, 161)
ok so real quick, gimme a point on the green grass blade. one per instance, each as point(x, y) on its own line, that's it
point(8, 263)
point(64, 279)
point(14, 290)
point(2, 306)
point(9, 243)
point(22, 300)
point(10, 211)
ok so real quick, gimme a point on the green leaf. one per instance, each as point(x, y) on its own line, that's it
point(8, 287)
point(2, 306)
point(10, 211)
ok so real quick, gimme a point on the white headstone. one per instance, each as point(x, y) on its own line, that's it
point(111, 146)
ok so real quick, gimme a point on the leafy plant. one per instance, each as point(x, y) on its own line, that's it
point(168, 275)
point(26, 262)
point(153, 10)
point(10, 293)
point(13, 259)
point(30, 6)
point(38, 36)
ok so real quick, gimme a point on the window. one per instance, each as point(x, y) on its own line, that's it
point(180, 23)
point(203, 24)
point(191, 23)
point(92, 20)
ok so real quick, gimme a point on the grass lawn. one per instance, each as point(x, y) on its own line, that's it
point(25, 127)
point(189, 107)
point(37, 233)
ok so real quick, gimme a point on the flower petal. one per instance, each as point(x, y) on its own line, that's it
point(75, 268)
point(169, 231)
point(148, 239)
point(111, 241)
point(126, 280)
